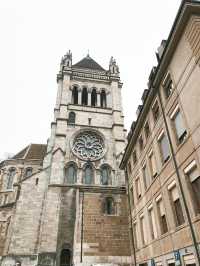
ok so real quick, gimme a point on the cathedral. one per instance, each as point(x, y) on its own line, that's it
point(65, 203)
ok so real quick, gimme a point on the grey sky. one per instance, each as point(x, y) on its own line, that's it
point(36, 34)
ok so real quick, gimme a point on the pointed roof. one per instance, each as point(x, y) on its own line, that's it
point(89, 63)
point(32, 152)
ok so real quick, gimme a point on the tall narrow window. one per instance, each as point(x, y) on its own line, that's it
point(141, 143)
point(84, 97)
point(65, 257)
point(28, 171)
point(168, 85)
point(72, 118)
point(156, 111)
point(135, 234)
point(152, 164)
point(146, 177)
point(194, 183)
point(147, 130)
point(105, 175)
point(131, 197)
point(10, 178)
point(88, 179)
point(103, 101)
point(143, 231)
point(109, 206)
point(164, 148)
point(177, 208)
point(179, 126)
point(152, 222)
point(134, 157)
point(138, 188)
point(94, 98)
point(162, 217)
point(75, 95)
point(71, 175)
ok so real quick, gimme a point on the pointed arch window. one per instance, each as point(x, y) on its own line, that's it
point(84, 97)
point(72, 118)
point(94, 98)
point(28, 171)
point(65, 257)
point(71, 174)
point(10, 178)
point(105, 175)
point(103, 99)
point(88, 174)
point(75, 95)
point(109, 207)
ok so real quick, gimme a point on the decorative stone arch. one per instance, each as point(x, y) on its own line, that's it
point(65, 257)
point(93, 96)
point(109, 205)
point(71, 118)
point(88, 175)
point(10, 177)
point(103, 98)
point(84, 95)
point(70, 173)
point(75, 89)
point(105, 169)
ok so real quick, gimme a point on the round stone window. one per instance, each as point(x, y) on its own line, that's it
point(88, 146)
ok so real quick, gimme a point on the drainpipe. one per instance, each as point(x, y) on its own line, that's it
point(194, 240)
point(130, 215)
point(82, 227)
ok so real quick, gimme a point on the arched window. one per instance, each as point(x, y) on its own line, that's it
point(28, 172)
point(71, 118)
point(84, 96)
point(94, 97)
point(65, 257)
point(109, 207)
point(10, 178)
point(88, 174)
point(105, 175)
point(71, 174)
point(75, 95)
point(103, 99)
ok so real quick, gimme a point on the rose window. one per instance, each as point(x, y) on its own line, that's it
point(88, 146)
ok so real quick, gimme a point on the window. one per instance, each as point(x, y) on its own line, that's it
point(194, 182)
point(176, 206)
point(75, 95)
point(135, 234)
point(105, 175)
point(71, 174)
point(152, 222)
point(103, 99)
point(94, 98)
point(84, 98)
point(10, 178)
point(152, 165)
point(168, 86)
point(156, 111)
point(109, 206)
point(65, 257)
point(146, 177)
point(129, 168)
point(147, 130)
point(131, 197)
point(141, 144)
point(72, 118)
point(162, 217)
point(134, 157)
point(179, 126)
point(28, 172)
point(138, 188)
point(143, 231)
point(164, 148)
point(88, 178)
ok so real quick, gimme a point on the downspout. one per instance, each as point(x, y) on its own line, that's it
point(180, 184)
point(130, 215)
point(82, 227)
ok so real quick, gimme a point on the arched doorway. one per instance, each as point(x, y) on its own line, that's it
point(65, 257)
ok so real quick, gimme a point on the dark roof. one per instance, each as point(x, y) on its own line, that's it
point(89, 63)
point(32, 152)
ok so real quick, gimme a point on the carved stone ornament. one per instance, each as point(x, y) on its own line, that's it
point(88, 146)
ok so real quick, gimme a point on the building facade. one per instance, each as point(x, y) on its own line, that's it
point(162, 158)
point(74, 209)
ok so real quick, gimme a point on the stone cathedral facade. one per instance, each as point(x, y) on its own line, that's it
point(65, 203)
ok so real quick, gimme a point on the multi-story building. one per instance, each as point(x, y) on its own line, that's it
point(162, 158)
point(74, 210)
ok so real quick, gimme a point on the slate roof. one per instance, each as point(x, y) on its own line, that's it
point(32, 152)
point(89, 63)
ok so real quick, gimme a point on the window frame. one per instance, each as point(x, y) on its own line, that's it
point(165, 84)
point(154, 111)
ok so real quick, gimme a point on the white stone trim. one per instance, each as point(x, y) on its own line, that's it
point(171, 185)
point(150, 207)
point(160, 134)
point(150, 152)
point(158, 198)
point(141, 215)
point(190, 167)
point(175, 111)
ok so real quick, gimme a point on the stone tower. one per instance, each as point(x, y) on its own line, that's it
point(74, 211)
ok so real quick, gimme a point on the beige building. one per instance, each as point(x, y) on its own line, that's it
point(73, 208)
point(162, 158)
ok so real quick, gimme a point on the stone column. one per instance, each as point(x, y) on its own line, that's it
point(79, 95)
point(98, 99)
point(89, 97)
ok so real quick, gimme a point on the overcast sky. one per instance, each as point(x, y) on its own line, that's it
point(36, 34)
